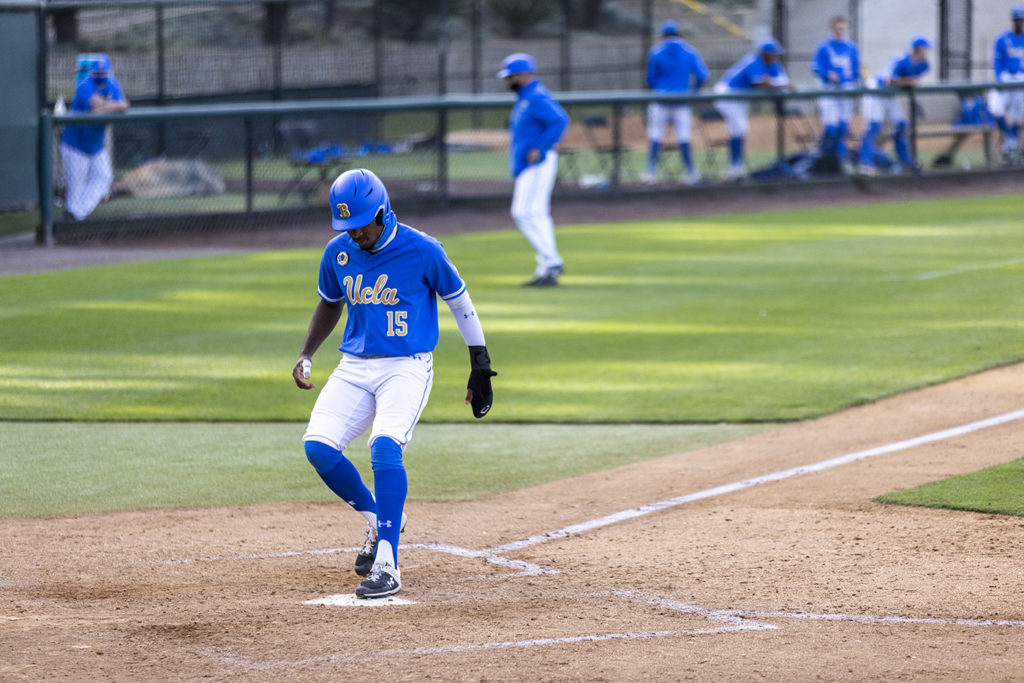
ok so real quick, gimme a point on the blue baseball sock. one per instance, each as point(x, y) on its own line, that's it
point(1015, 131)
point(736, 151)
point(1001, 123)
point(684, 151)
point(841, 131)
point(902, 145)
point(340, 475)
point(652, 157)
point(391, 487)
point(828, 140)
point(867, 144)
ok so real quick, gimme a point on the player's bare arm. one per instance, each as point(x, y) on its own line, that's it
point(325, 318)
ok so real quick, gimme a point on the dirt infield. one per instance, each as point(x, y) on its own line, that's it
point(693, 566)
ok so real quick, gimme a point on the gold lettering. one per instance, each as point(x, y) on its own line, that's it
point(380, 293)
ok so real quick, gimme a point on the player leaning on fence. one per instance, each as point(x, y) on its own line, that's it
point(87, 164)
point(904, 72)
point(537, 124)
point(389, 275)
point(761, 70)
point(1007, 106)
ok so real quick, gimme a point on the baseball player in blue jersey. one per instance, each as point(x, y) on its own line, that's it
point(837, 64)
point(87, 166)
point(389, 275)
point(905, 72)
point(761, 70)
point(537, 124)
point(1007, 107)
point(673, 66)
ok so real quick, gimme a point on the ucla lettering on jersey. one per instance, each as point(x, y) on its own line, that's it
point(391, 294)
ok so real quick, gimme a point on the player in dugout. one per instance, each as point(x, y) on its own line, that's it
point(673, 66)
point(87, 166)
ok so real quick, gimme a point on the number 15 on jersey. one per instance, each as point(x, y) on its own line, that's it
point(397, 326)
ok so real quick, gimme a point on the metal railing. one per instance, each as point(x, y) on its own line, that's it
point(434, 124)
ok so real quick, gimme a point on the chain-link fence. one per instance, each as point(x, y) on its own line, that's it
point(185, 50)
point(269, 160)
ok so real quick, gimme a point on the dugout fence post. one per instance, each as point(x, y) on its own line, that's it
point(248, 165)
point(780, 127)
point(44, 233)
point(442, 156)
point(913, 123)
point(616, 146)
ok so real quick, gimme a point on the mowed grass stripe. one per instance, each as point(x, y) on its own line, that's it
point(743, 318)
point(71, 468)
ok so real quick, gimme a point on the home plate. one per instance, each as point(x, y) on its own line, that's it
point(350, 600)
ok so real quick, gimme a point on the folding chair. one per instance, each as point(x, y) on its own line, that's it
point(599, 135)
point(307, 153)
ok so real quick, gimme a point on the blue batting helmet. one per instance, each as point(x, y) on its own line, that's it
point(1017, 12)
point(100, 64)
point(919, 42)
point(357, 197)
point(518, 63)
point(770, 46)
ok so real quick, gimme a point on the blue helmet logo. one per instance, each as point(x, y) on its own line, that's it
point(357, 197)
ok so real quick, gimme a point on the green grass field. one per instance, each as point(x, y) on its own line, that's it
point(995, 490)
point(71, 468)
point(739, 319)
point(758, 317)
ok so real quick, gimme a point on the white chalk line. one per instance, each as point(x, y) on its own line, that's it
point(731, 620)
point(494, 555)
point(756, 481)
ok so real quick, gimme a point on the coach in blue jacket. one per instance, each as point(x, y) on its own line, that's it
point(673, 66)
point(537, 125)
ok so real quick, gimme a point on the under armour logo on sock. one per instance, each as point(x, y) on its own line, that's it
point(386, 523)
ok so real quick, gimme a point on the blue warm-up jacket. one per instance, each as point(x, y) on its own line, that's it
point(537, 122)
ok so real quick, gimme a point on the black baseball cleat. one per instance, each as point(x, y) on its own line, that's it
point(548, 279)
point(384, 580)
point(364, 560)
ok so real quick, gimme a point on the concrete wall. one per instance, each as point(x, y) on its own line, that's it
point(19, 109)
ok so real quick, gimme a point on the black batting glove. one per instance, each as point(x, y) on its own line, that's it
point(479, 384)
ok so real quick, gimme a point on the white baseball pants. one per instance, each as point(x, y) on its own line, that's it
point(388, 393)
point(1008, 103)
point(881, 109)
point(531, 210)
point(89, 177)
point(735, 112)
point(658, 116)
point(835, 110)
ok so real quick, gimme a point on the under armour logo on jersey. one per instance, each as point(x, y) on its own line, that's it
point(386, 523)
point(342, 258)
point(380, 293)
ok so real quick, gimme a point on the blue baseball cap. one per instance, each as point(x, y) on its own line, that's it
point(770, 46)
point(1017, 12)
point(518, 63)
point(669, 28)
point(919, 42)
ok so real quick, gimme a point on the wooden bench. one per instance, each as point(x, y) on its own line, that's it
point(959, 135)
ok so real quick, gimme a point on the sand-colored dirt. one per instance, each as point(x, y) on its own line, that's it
point(798, 579)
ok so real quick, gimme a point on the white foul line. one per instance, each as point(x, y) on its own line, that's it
point(747, 483)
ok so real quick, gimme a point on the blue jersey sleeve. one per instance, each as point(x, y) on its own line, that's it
point(440, 273)
point(553, 118)
point(700, 70)
point(821, 64)
point(328, 287)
